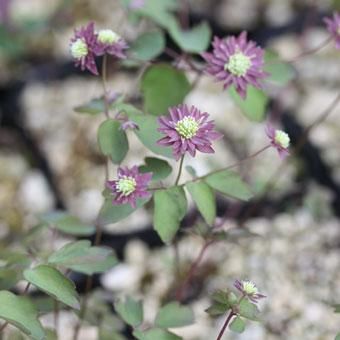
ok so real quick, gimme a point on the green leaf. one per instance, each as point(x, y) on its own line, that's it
point(174, 315)
point(194, 40)
point(112, 140)
point(131, 311)
point(67, 224)
point(160, 168)
point(249, 310)
point(93, 107)
point(221, 297)
point(81, 257)
point(20, 312)
point(237, 325)
point(170, 209)
point(53, 283)
point(281, 73)
point(229, 183)
point(110, 213)
point(337, 308)
point(148, 45)
point(337, 337)
point(148, 134)
point(204, 198)
point(159, 11)
point(255, 104)
point(216, 309)
point(155, 334)
point(163, 86)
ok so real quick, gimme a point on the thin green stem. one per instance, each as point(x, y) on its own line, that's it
point(179, 170)
point(104, 82)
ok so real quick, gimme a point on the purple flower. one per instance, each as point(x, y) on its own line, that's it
point(83, 46)
point(279, 140)
point(187, 130)
point(236, 61)
point(333, 27)
point(249, 289)
point(110, 42)
point(129, 186)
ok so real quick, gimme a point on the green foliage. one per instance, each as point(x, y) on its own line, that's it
point(249, 310)
point(217, 309)
point(194, 40)
point(281, 73)
point(170, 209)
point(174, 315)
point(160, 168)
point(110, 213)
point(155, 334)
point(337, 337)
point(112, 140)
point(54, 283)
point(67, 224)
point(229, 183)
point(20, 312)
point(204, 198)
point(255, 104)
point(81, 257)
point(93, 107)
point(163, 86)
point(337, 308)
point(237, 325)
point(131, 311)
point(148, 46)
point(147, 132)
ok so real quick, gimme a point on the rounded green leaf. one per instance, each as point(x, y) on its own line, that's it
point(81, 257)
point(204, 198)
point(163, 86)
point(254, 106)
point(20, 312)
point(280, 73)
point(229, 183)
point(67, 224)
point(217, 309)
point(130, 310)
point(170, 209)
point(54, 283)
point(93, 107)
point(337, 337)
point(160, 168)
point(174, 315)
point(155, 334)
point(110, 213)
point(249, 310)
point(148, 45)
point(237, 325)
point(194, 40)
point(112, 140)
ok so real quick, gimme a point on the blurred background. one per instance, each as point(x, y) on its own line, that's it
point(287, 240)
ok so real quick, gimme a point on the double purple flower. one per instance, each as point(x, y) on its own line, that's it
point(333, 27)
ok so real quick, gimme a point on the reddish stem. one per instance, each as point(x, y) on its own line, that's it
point(225, 325)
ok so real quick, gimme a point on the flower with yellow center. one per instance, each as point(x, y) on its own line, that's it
point(187, 127)
point(249, 287)
point(108, 36)
point(126, 185)
point(79, 49)
point(238, 64)
point(282, 139)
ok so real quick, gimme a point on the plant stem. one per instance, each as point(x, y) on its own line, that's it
point(98, 236)
point(225, 325)
point(179, 170)
point(181, 289)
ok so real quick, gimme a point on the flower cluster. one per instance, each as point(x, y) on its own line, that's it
point(87, 44)
point(333, 27)
point(130, 185)
point(236, 61)
point(279, 140)
point(187, 130)
point(249, 289)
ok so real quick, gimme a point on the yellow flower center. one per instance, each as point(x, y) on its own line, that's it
point(249, 287)
point(108, 36)
point(238, 64)
point(187, 127)
point(126, 185)
point(282, 139)
point(79, 49)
